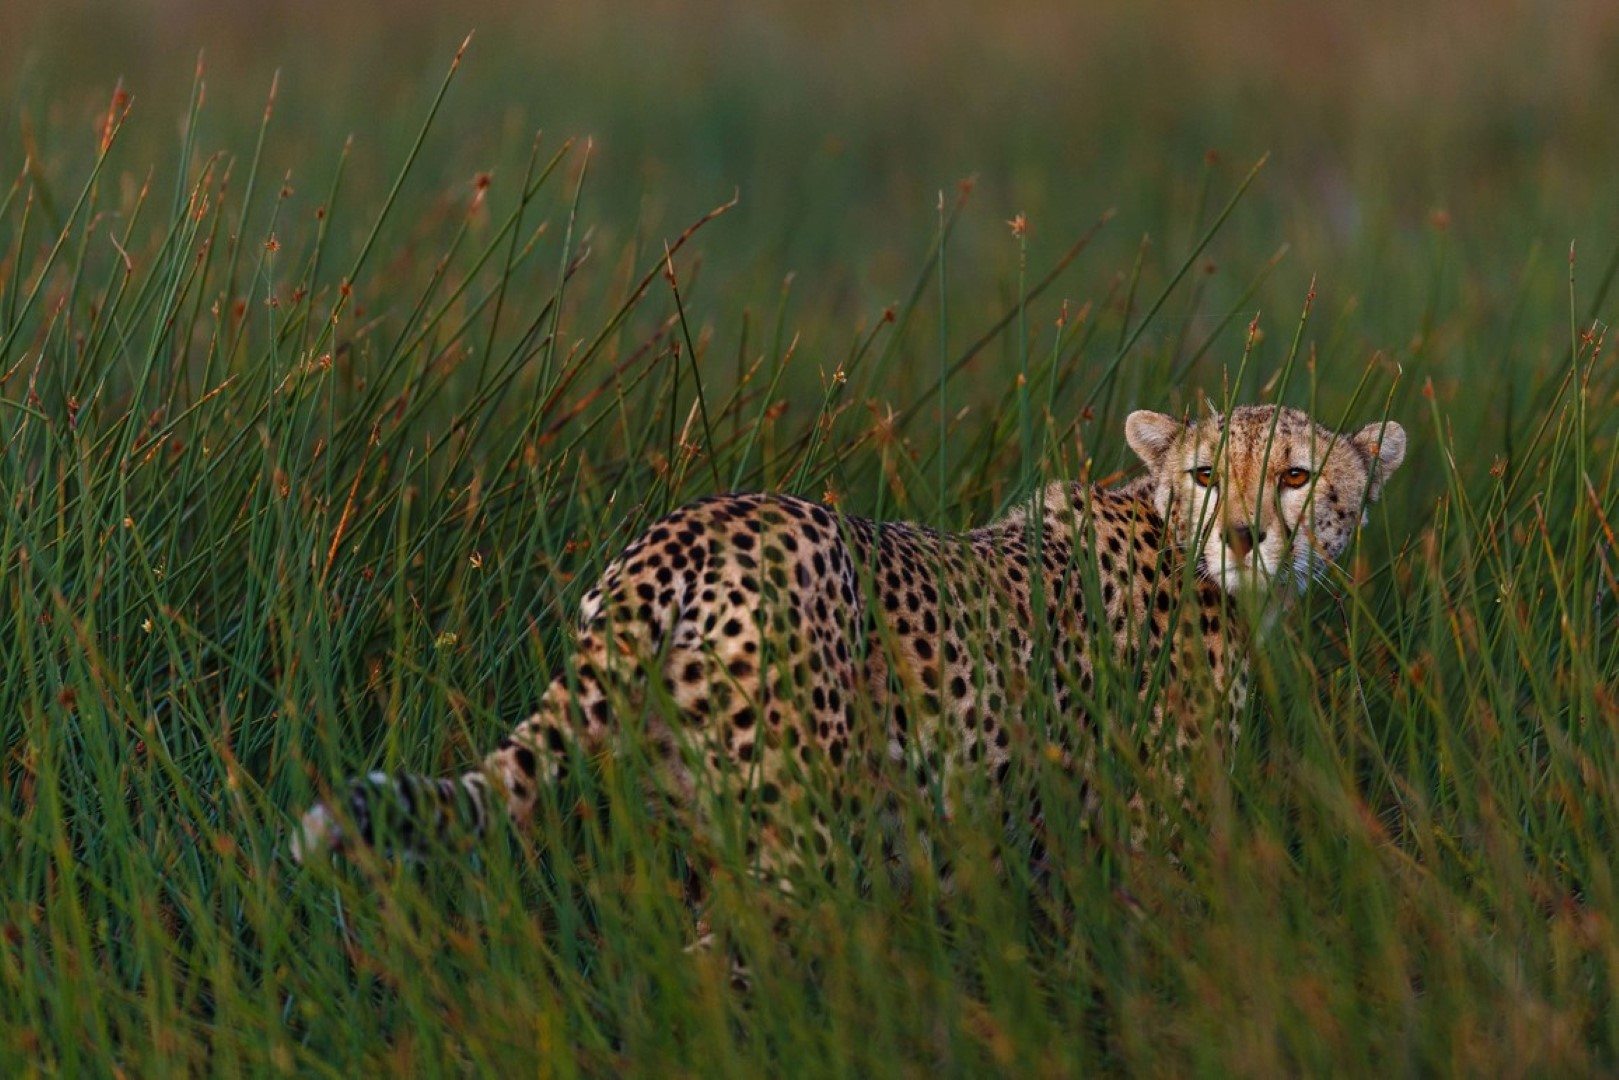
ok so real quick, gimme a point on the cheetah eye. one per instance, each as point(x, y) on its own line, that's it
point(1295, 478)
point(1203, 475)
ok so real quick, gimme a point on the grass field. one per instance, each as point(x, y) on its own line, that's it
point(335, 364)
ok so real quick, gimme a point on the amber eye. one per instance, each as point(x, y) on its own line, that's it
point(1295, 478)
point(1204, 475)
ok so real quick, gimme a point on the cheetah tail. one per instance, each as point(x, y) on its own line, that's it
point(408, 813)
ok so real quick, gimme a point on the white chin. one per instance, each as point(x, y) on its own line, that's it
point(1233, 579)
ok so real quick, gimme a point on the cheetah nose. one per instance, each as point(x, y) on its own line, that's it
point(1240, 539)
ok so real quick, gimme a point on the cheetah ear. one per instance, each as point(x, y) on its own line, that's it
point(1383, 443)
point(1151, 434)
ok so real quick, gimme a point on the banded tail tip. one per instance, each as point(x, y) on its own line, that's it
point(318, 833)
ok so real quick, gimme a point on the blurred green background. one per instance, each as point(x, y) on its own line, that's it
point(839, 124)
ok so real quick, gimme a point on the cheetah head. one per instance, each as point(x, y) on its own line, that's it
point(1265, 494)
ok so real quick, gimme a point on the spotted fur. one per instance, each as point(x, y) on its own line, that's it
point(798, 644)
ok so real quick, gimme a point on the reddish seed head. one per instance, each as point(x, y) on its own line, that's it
point(116, 108)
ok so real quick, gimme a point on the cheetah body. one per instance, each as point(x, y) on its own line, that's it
point(770, 650)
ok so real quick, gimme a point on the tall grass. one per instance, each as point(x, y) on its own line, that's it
point(298, 483)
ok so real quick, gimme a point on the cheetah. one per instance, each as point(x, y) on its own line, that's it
point(764, 648)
